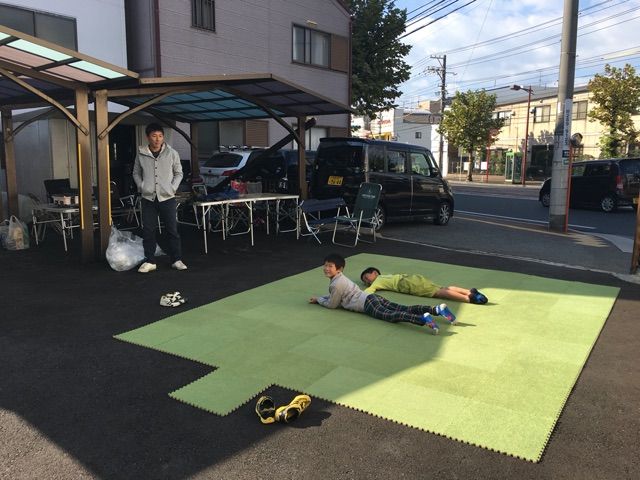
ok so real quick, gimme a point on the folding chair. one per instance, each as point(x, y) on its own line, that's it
point(312, 214)
point(54, 186)
point(124, 207)
point(364, 213)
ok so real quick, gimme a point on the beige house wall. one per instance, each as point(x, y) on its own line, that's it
point(512, 135)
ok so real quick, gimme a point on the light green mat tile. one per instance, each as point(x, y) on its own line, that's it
point(499, 379)
point(214, 394)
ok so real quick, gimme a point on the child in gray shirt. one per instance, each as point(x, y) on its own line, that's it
point(346, 294)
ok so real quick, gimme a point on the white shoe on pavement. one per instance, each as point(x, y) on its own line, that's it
point(179, 265)
point(147, 267)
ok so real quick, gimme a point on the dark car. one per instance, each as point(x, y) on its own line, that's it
point(412, 186)
point(279, 172)
point(604, 184)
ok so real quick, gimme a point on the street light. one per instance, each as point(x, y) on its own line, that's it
point(526, 128)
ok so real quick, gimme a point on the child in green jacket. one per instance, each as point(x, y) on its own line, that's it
point(418, 285)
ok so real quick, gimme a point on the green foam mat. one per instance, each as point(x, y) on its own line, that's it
point(499, 379)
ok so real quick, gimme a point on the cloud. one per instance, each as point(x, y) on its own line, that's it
point(530, 57)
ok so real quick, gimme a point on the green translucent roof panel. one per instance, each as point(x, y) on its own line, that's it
point(97, 69)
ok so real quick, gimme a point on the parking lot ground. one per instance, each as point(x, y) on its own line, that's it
point(75, 403)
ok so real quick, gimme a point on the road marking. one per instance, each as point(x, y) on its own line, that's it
point(495, 195)
point(624, 277)
point(578, 237)
point(523, 220)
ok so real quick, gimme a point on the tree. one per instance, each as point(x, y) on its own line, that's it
point(469, 121)
point(378, 67)
point(616, 95)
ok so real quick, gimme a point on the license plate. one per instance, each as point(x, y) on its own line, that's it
point(334, 180)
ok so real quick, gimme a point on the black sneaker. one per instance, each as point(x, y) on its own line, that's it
point(477, 298)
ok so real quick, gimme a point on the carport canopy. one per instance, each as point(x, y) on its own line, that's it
point(35, 73)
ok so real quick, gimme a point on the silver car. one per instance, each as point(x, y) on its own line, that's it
point(223, 164)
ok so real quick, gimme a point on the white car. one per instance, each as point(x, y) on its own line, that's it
point(223, 164)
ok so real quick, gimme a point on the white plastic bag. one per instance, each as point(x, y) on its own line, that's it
point(17, 237)
point(125, 250)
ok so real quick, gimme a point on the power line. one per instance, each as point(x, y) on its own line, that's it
point(435, 20)
point(532, 44)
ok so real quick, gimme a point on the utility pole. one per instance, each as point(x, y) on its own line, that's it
point(559, 205)
point(441, 71)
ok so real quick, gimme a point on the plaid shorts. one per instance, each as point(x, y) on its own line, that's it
point(382, 309)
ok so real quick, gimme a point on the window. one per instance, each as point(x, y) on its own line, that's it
point(542, 114)
point(376, 158)
point(420, 164)
point(579, 110)
point(312, 137)
point(506, 116)
point(53, 28)
point(311, 47)
point(203, 14)
point(578, 170)
point(600, 170)
point(418, 134)
point(577, 152)
point(396, 161)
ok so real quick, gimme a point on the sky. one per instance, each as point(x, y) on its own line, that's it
point(493, 44)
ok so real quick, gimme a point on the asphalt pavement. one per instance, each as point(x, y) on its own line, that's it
point(484, 234)
point(75, 403)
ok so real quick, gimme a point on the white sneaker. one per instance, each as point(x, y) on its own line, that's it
point(147, 267)
point(179, 265)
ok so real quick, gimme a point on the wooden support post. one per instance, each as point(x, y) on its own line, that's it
point(10, 164)
point(104, 179)
point(302, 162)
point(84, 174)
point(195, 163)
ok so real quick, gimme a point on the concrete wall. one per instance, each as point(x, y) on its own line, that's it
point(252, 36)
point(405, 130)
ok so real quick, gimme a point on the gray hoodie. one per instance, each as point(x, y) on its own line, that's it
point(157, 177)
point(344, 293)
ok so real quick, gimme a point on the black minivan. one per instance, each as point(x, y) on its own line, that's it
point(412, 186)
point(604, 184)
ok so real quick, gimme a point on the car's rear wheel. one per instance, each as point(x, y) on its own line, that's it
point(444, 214)
point(608, 203)
point(545, 199)
point(380, 218)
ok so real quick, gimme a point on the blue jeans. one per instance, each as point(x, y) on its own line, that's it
point(167, 212)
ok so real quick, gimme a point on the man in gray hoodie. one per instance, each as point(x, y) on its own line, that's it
point(157, 172)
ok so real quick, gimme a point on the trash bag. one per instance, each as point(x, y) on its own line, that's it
point(125, 250)
point(17, 236)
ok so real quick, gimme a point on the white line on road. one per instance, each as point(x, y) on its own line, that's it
point(523, 220)
point(495, 195)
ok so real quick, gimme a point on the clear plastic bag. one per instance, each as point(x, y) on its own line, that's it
point(125, 250)
point(17, 236)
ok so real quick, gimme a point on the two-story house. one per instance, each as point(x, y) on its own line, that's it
point(306, 43)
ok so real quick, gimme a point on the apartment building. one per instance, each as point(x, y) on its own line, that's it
point(304, 42)
point(539, 131)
